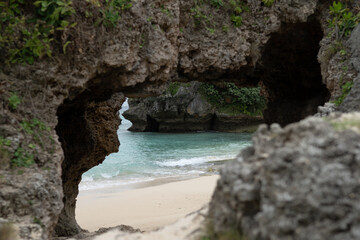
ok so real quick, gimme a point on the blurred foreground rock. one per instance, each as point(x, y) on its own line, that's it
point(298, 182)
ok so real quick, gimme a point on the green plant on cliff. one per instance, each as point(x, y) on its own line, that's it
point(111, 11)
point(28, 28)
point(198, 15)
point(36, 129)
point(22, 158)
point(217, 3)
point(212, 94)
point(237, 7)
point(14, 101)
point(173, 88)
point(346, 87)
point(343, 20)
point(237, 20)
point(234, 100)
point(268, 3)
point(4, 141)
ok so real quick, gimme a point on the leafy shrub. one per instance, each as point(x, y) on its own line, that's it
point(268, 3)
point(35, 128)
point(112, 10)
point(22, 159)
point(121, 4)
point(4, 141)
point(343, 20)
point(110, 18)
point(173, 88)
point(212, 94)
point(237, 8)
point(14, 101)
point(54, 11)
point(217, 3)
point(346, 87)
point(234, 100)
point(198, 15)
point(237, 20)
point(27, 34)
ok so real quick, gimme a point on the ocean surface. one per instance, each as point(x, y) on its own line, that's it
point(144, 157)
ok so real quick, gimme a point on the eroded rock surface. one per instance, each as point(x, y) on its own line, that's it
point(352, 100)
point(155, 41)
point(297, 182)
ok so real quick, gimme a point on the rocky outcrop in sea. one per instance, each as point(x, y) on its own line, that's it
point(186, 110)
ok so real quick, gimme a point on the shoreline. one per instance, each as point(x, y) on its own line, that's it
point(147, 206)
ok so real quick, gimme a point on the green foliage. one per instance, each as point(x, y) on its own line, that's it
point(35, 128)
point(225, 28)
point(22, 158)
point(198, 16)
point(212, 94)
point(237, 8)
point(211, 30)
point(346, 87)
point(27, 29)
point(14, 101)
point(120, 5)
point(173, 88)
point(111, 12)
point(217, 3)
point(54, 11)
point(234, 100)
point(268, 3)
point(38, 221)
point(343, 20)
point(4, 141)
point(237, 20)
point(110, 18)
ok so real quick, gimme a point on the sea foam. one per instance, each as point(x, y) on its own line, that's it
point(194, 160)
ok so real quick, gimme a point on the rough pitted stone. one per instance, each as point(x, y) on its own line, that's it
point(136, 58)
point(298, 182)
point(325, 110)
point(352, 100)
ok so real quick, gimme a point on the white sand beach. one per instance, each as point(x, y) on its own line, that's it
point(147, 208)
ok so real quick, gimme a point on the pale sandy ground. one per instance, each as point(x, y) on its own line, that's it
point(147, 208)
point(190, 227)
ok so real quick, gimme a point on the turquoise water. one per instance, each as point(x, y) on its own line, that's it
point(148, 156)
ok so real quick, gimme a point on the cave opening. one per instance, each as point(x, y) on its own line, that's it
point(290, 73)
point(152, 125)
